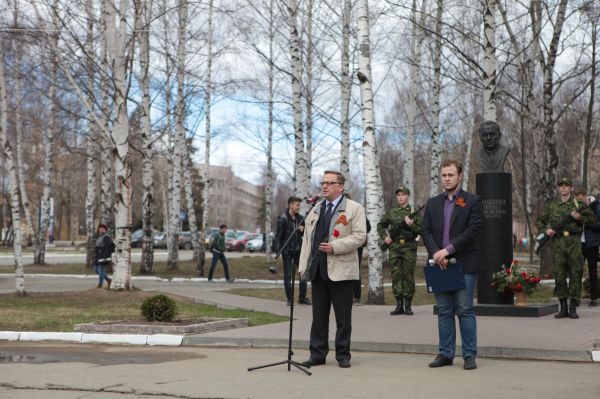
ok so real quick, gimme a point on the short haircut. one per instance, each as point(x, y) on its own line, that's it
point(579, 190)
point(293, 199)
point(340, 176)
point(486, 124)
point(450, 162)
point(223, 226)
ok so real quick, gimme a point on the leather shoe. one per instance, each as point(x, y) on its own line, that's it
point(441, 361)
point(311, 362)
point(345, 364)
point(470, 363)
point(304, 301)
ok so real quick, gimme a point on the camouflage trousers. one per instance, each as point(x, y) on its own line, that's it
point(402, 264)
point(567, 261)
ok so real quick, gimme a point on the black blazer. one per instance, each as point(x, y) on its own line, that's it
point(465, 226)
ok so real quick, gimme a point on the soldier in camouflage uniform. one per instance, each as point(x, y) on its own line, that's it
point(402, 251)
point(567, 258)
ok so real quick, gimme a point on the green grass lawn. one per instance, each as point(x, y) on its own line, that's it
point(60, 311)
point(541, 295)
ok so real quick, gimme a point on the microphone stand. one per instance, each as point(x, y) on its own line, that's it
point(289, 360)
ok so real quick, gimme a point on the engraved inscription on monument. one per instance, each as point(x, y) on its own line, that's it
point(494, 208)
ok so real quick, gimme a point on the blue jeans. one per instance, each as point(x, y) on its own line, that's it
point(216, 256)
point(101, 270)
point(459, 303)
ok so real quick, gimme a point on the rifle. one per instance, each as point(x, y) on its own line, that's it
point(542, 238)
point(401, 228)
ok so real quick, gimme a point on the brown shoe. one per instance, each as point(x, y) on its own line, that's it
point(98, 287)
point(109, 282)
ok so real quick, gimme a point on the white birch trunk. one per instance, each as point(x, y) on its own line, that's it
point(107, 144)
point(178, 151)
point(189, 198)
point(489, 60)
point(116, 40)
point(309, 91)
point(436, 147)
point(91, 151)
point(207, 125)
point(147, 262)
point(346, 87)
point(374, 193)
point(469, 150)
point(269, 180)
point(412, 106)
point(301, 177)
point(12, 183)
point(31, 236)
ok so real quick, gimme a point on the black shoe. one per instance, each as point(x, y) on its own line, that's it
point(304, 301)
point(441, 361)
point(407, 306)
point(357, 302)
point(345, 364)
point(573, 309)
point(311, 362)
point(563, 312)
point(289, 303)
point(593, 303)
point(230, 280)
point(399, 307)
point(470, 363)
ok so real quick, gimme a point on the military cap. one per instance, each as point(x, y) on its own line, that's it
point(403, 189)
point(565, 180)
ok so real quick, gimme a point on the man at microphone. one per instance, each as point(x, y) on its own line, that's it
point(334, 230)
point(451, 223)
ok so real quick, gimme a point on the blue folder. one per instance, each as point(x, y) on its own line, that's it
point(443, 280)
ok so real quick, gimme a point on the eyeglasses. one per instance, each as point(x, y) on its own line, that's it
point(329, 183)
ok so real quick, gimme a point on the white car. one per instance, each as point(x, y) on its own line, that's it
point(256, 244)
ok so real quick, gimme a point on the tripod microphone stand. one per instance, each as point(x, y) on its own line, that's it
point(294, 270)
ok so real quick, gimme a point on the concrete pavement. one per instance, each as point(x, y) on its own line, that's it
point(543, 338)
point(65, 371)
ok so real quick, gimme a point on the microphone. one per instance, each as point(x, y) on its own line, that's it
point(451, 261)
point(312, 200)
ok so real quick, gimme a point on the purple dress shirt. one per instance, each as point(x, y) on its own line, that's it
point(448, 209)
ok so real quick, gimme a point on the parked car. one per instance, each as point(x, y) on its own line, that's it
point(185, 240)
point(136, 238)
point(236, 242)
point(210, 233)
point(256, 244)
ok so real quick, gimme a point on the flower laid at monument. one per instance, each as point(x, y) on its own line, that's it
point(515, 279)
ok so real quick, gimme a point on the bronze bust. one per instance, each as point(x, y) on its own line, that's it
point(492, 155)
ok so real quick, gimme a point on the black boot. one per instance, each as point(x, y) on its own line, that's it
point(399, 306)
point(573, 309)
point(407, 308)
point(562, 313)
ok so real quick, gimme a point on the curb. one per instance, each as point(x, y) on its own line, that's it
point(485, 352)
point(130, 339)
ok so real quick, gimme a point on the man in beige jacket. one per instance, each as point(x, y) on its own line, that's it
point(334, 230)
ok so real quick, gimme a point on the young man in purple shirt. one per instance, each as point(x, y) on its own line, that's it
point(451, 223)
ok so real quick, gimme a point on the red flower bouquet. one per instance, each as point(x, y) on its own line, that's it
point(515, 279)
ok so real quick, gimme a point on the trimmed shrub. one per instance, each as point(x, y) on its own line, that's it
point(159, 308)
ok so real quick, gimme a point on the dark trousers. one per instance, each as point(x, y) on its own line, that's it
point(216, 257)
point(290, 265)
point(591, 255)
point(325, 294)
point(356, 284)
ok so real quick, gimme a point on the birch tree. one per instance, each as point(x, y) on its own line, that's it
point(179, 145)
point(12, 182)
point(269, 177)
point(301, 171)
point(346, 90)
point(370, 158)
point(147, 264)
point(489, 60)
point(417, 38)
point(436, 147)
point(91, 147)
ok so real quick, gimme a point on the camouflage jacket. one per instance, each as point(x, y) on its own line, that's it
point(557, 211)
point(394, 217)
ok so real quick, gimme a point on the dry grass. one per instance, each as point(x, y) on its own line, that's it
point(60, 311)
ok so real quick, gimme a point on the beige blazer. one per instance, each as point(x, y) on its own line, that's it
point(349, 224)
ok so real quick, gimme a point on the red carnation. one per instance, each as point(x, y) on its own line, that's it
point(523, 274)
point(336, 233)
point(518, 288)
point(508, 271)
point(515, 262)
